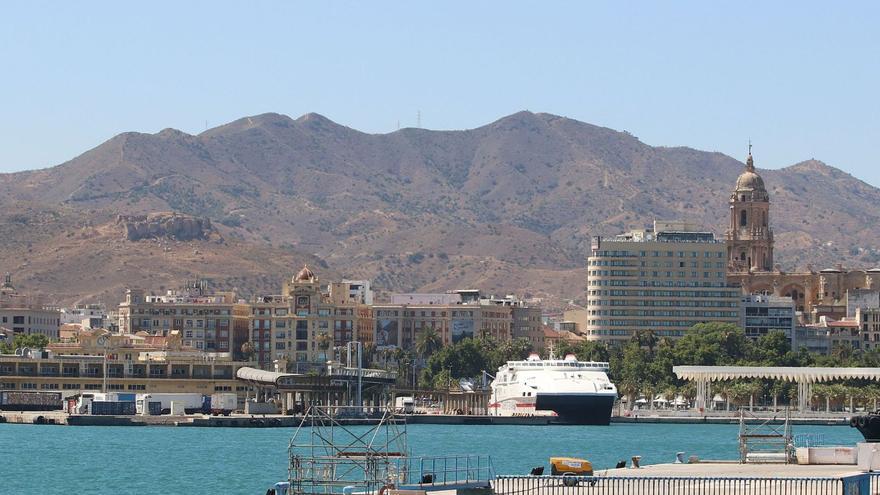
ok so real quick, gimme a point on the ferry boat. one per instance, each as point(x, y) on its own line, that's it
point(577, 392)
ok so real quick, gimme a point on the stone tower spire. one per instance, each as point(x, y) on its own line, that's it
point(749, 236)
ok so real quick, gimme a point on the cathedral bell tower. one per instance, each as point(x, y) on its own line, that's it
point(749, 237)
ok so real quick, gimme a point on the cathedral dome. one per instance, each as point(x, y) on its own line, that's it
point(750, 180)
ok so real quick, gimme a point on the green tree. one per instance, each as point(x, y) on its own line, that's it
point(428, 342)
point(32, 341)
point(631, 372)
point(324, 341)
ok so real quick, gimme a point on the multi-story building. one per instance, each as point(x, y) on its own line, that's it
point(526, 320)
point(145, 372)
point(454, 316)
point(868, 319)
point(207, 321)
point(305, 323)
point(861, 299)
point(761, 314)
point(85, 315)
point(665, 279)
point(24, 314)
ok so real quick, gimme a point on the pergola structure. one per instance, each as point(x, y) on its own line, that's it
point(338, 384)
point(804, 377)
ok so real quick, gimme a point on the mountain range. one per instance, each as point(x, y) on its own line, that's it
point(508, 207)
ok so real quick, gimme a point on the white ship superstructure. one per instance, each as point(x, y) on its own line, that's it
point(575, 391)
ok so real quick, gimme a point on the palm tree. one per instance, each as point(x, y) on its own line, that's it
point(324, 341)
point(428, 342)
point(247, 351)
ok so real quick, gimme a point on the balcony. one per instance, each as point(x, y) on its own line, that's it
point(27, 371)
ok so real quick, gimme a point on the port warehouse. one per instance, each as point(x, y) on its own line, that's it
point(152, 373)
point(42, 373)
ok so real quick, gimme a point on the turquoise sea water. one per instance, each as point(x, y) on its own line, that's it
point(140, 460)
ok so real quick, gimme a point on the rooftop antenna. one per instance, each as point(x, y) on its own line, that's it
point(750, 146)
point(419, 119)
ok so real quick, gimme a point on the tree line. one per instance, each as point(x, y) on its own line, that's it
point(642, 367)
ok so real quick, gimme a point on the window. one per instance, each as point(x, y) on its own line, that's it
point(743, 218)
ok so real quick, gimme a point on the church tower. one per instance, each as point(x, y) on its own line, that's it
point(749, 237)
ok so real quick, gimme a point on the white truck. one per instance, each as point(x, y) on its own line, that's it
point(223, 403)
point(191, 402)
point(404, 405)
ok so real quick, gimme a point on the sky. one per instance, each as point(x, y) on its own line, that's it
point(800, 79)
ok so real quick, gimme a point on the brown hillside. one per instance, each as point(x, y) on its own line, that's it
point(508, 206)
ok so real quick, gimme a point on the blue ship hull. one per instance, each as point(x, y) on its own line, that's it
point(580, 409)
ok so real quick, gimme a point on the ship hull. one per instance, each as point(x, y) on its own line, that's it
point(868, 425)
point(580, 409)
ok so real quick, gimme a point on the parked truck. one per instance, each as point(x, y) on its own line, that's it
point(404, 405)
point(223, 403)
point(192, 402)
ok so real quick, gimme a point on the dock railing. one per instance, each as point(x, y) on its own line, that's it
point(673, 485)
point(449, 471)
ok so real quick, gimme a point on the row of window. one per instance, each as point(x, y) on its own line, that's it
point(664, 303)
point(627, 333)
point(183, 311)
point(655, 283)
point(180, 323)
point(434, 314)
point(666, 293)
point(657, 323)
point(679, 313)
point(656, 254)
point(39, 320)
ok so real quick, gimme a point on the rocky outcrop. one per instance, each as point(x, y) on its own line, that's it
point(168, 225)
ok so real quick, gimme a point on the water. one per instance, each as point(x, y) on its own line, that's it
point(109, 460)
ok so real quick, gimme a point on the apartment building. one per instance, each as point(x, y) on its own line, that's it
point(306, 322)
point(207, 321)
point(761, 314)
point(526, 322)
point(664, 279)
point(24, 314)
point(454, 316)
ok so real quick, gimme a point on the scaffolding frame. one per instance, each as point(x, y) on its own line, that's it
point(327, 454)
point(763, 440)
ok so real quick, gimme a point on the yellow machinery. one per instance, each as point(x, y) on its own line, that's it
point(570, 466)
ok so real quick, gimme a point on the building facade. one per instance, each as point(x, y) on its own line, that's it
point(306, 323)
point(399, 323)
point(207, 321)
point(526, 319)
point(750, 255)
point(134, 364)
point(762, 314)
point(23, 315)
point(663, 280)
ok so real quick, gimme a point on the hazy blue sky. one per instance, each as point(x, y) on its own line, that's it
point(800, 79)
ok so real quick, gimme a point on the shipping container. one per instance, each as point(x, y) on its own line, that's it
point(192, 402)
point(30, 401)
point(112, 408)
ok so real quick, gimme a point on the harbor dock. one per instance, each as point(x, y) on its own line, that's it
point(287, 421)
point(703, 478)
